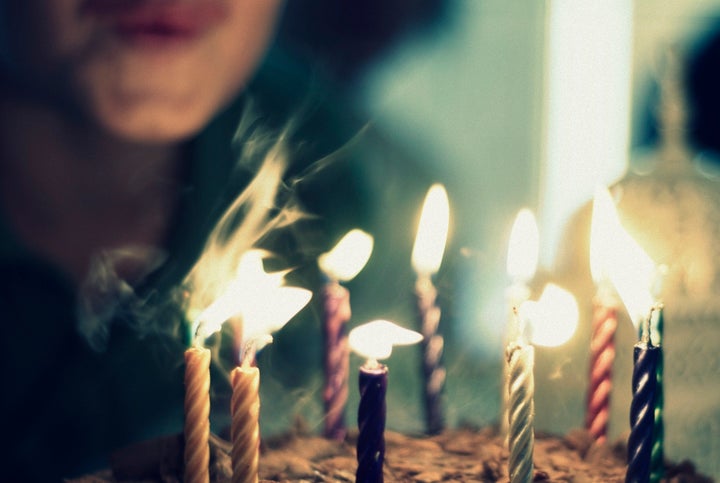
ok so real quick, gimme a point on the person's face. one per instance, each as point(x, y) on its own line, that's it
point(146, 70)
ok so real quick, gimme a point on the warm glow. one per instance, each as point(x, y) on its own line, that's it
point(604, 224)
point(624, 262)
point(271, 313)
point(349, 256)
point(264, 304)
point(523, 247)
point(375, 340)
point(432, 231)
point(552, 320)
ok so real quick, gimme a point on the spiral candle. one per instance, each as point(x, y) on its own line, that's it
point(642, 409)
point(521, 411)
point(371, 424)
point(197, 415)
point(336, 313)
point(602, 356)
point(245, 429)
point(432, 347)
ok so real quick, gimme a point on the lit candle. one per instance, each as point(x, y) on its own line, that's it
point(604, 322)
point(245, 427)
point(634, 274)
point(341, 264)
point(522, 261)
point(264, 305)
point(642, 408)
point(426, 258)
point(197, 415)
point(521, 410)
point(553, 320)
point(374, 341)
point(275, 309)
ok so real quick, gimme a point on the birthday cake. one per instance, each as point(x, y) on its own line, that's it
point(461, 455)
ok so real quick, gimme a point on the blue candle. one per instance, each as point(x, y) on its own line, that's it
point(371, 423)
point(642, 410)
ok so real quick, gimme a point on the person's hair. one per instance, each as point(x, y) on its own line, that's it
point(342, 38)
point(702, 81)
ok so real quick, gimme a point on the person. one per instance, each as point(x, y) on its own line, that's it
point(116, 121)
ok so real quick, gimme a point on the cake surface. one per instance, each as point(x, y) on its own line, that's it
point(462, 455)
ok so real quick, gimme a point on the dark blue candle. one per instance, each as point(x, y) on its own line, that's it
point(371, 424)
point(642, 411)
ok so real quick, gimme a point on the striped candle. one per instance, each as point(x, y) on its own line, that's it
point(245, 428)
point(642, 408)
point(197, 415)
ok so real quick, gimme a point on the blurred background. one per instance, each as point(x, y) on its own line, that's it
point(530, 104)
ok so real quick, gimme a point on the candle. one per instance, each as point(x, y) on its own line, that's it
point(634, 274)
point(342, 263)
point(604, 322)
point(336, 313)
point(426, 258)
point(521, 410)
point(197, 415)
point(602, 356)
point(553, 321)
point(521, 264)
point(245, 428)
point(657, 454)
point(371, 423)
point(261, 305)
point(374, 341)
point(642, 408)
point(279, 305)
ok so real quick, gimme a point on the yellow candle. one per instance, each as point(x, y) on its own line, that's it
point(245, 427)
point(197, 415)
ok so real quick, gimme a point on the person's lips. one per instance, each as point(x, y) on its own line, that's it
point(156, 22)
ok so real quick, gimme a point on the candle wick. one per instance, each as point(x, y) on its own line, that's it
point(196, 333)
point(247, 353)
point(371, 364)
point(647, 327)
point(520, 326)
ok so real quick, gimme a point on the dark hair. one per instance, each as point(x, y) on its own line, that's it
point(343, 37)
point(702, 81)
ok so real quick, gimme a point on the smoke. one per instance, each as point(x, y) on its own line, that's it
point(106, 295)
point(265, 205)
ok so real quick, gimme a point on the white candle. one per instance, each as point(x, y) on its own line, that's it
point(522, 261)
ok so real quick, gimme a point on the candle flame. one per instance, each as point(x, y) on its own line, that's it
point(432, 231)
point(375, 340)
point(348, 257)
point(265, 205)
point(524, 247)
point(553, 318)
point(260, 298)
point(619, 258)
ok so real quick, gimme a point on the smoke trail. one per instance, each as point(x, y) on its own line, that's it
point(266, 204)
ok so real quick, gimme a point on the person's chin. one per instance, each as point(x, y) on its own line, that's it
point(156, 126)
